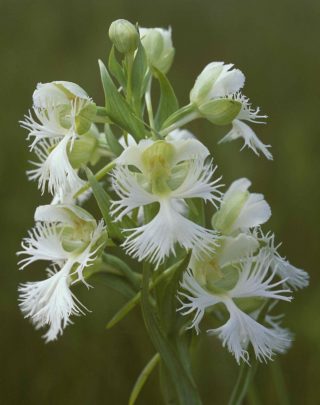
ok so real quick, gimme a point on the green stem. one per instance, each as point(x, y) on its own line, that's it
point(180, 118)
point(280, 384)
point(149, 104)
point(98, 176)
point(143, 378)
point(136, 299)
point(245, 378)
point(101, 116)
point(129, 62)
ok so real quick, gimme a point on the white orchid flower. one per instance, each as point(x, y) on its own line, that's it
point(169, 172)
point(62, 113)
point(255, 279)
point(69, 238)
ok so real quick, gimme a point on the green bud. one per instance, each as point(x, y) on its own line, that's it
point(220, 111)
point(157, 163)
point(124, 36)
point(223, 219)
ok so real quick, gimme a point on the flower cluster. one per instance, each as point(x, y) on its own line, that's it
point(161, 184)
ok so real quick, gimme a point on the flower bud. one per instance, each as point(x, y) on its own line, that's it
point(216, 80)
point(124, 36)
point(157, 43)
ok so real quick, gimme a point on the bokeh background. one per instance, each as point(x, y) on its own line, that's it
point(276, 43)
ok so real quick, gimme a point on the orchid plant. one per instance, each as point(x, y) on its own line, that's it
point(155, 185)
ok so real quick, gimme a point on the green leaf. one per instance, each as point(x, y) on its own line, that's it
point(168, 298)
point(168, 103)
point(139, 71)
point(116, 283)
point(115, 68)
point(143, 378)
point(126, 270)
point(136, 299)
point(118, 109)
point(186, 391)
point(103, 201)
point(112, 141)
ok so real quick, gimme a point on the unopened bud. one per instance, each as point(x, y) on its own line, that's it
point(124, 36)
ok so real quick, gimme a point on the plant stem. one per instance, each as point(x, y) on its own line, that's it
point(280, 384)
point(245, 378)
point(149, 104)
point(136, 299)
point(180, 122)
point(129, 62)
point(98, 176)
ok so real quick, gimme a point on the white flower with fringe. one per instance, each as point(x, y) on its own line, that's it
point(62, 114)
point(166, 174)
point(242, 290)
point(70, 239)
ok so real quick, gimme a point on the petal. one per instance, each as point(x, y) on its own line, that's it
point(241, 329)
point(198, 183)
point(131, 193)
point(237, 187)
point(180, 135)
point(66, 214)
point(255, 211)
point(229, 81)
point(43, 243)
point(188, 149)
point(195, 300)
point(255, 280)
point(55, 170)
point(132, 154)
point(236, 248)
point(50, 302)
point(242, 130)
point(156, 240)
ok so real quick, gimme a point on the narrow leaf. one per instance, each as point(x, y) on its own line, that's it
point(117, 108)
point(116, 283)
point(143, 378)
point(139, 70)
point(103, 201)
point(115, 68)
point(185, 389)
point(126, 270)
point(112, 141)
point(136, 299)
point(168, 103)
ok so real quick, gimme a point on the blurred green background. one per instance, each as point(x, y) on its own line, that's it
point(276, 43)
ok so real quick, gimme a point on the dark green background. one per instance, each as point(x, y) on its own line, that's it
point(276, 43)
